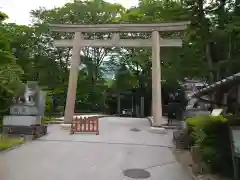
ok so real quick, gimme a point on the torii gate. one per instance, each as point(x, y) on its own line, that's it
point(155, 42)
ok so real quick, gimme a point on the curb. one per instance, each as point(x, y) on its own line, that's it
point(186, 168)
point(191, 174)
point(170, 127)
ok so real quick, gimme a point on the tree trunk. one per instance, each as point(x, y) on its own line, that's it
point(210, 63)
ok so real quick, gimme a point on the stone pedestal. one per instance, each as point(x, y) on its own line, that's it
point(34, 130)
point(65, 126)
point(158, 130)
point(21, 120)
point(25, 116)
point(24, 125)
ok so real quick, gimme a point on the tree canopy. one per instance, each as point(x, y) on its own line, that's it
point(210, 49)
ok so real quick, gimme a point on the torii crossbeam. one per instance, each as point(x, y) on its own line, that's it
point(155, 42)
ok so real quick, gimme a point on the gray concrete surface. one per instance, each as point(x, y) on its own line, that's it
point(61, 156)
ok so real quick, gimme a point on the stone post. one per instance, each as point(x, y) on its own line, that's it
point(225, 98)
point(73, 77)
point(156, 80)
point(238, 94)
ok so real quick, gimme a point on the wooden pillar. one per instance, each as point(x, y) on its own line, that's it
point(137, 110)
point(119, 104)
point(132, 105)
point(142, 106)
point(73, 77)
point(156, 80)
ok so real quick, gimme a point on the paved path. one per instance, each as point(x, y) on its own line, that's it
point(60, 156)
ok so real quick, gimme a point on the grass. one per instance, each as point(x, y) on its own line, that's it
point(8, 142)
point(48, 120)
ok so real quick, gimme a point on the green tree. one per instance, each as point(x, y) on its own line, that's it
point(10, 72)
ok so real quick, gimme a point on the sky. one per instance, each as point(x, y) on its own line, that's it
point(18, 10)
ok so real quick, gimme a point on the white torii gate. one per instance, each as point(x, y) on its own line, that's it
point(155, 42)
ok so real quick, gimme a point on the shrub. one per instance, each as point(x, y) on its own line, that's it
point(174, 110)
point(211, 134)
point(60, 108)
point(1, 123)
point(48, 106)
point(48, 120)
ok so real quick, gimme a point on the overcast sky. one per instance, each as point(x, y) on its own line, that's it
point(18, 10)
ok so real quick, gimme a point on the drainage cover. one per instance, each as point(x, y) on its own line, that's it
point(136, 173)
point(135, 130)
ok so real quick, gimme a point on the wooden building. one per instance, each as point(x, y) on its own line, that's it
point(222, 94)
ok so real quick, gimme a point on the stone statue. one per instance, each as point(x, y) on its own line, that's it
point(27, 102)
point(28, 110)
point(28, 93)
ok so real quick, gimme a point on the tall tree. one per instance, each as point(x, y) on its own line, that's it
point(83, 12)
point(10, 72)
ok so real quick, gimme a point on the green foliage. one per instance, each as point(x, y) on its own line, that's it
point(29, 53)
point(60, 108)
point(124, 79)
point(210, 48)
point(211, 134)
point(3, 16)
point(10, 72)
point(48, 105)
point(48, 120)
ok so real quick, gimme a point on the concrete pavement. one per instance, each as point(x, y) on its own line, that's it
point(61, 156)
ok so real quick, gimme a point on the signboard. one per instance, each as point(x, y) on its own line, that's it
point(216, 112)
point(236, 140)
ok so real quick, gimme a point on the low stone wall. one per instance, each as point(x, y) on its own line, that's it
point(185, 159)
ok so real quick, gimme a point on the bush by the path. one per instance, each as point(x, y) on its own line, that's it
point(48, 120)
point(211, 134)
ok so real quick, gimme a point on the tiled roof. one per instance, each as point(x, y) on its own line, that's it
point(231, 80)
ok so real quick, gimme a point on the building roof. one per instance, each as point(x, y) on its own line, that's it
point(224, 84)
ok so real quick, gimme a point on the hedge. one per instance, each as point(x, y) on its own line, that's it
point(211, 134)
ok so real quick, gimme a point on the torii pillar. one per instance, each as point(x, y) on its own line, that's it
point(73, 79)
point(156, 81)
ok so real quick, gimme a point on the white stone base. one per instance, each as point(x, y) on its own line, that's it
point(158, 130)
point(65, 126)
point(164, 122)
point(21, 120)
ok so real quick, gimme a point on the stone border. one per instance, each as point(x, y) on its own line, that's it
point(203, 177)
point(190, 173)
point(185, 168)
point(188, 170)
